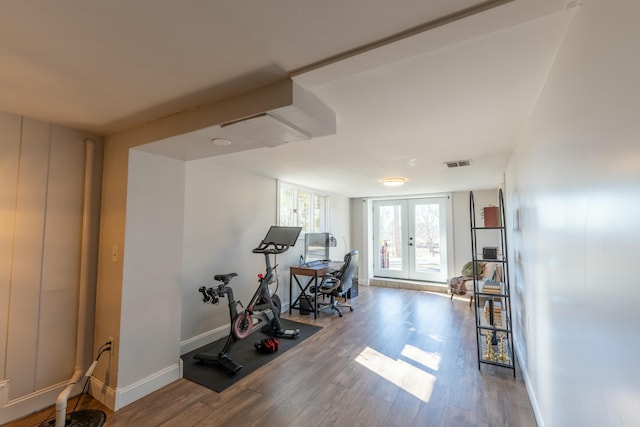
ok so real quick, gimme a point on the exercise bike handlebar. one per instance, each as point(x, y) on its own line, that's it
point(271, 248)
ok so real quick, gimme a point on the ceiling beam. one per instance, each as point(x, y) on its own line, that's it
point(427, 26)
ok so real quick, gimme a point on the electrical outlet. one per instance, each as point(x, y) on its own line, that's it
point(113, 344)
point(4, 393)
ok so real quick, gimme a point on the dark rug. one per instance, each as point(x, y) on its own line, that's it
point(84, 418)
point(243, 352)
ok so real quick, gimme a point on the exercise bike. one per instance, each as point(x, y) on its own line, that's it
point(263, 310)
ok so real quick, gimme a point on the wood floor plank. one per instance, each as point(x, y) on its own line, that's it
point(460, 417)
point(432, 415)
point(196, 415)
point(403, 411)
point(401, 358)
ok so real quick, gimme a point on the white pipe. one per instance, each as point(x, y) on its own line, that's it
point(85, 252)
point(61, 401)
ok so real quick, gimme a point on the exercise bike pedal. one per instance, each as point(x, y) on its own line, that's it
point(229, 364)
point(289, 333)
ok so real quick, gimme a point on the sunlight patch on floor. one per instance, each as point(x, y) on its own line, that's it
point(408, 377)
point(427, 359)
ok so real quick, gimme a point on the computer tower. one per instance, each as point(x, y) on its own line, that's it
point(353, 292)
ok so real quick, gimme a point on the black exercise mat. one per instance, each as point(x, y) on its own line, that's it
point(217, 378)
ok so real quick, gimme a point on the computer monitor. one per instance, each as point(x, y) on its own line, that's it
point(281, 235)
point(316, 246)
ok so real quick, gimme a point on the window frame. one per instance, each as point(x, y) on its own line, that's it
point(323, 223)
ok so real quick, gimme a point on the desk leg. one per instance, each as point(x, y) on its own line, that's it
point(290, 291)
point(303, 293)
point(315, 296)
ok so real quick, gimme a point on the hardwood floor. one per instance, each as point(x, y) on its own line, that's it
point(401, 358)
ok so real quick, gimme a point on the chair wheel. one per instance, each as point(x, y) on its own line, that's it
point(350, 308)
point(340, 314)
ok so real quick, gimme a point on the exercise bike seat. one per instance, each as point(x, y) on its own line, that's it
point(225, 278)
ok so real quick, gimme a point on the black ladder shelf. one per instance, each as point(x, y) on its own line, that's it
point(492, 296)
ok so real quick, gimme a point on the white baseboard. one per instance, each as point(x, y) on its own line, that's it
point(34, 402)
point(123, 396)
point(102, 393)
point(527, 383)
point(203, 339)
point(383, 282)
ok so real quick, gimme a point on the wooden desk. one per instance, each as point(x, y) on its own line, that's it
point(313, 270)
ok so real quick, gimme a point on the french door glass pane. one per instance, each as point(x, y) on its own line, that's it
point(390, 238)
point(427, 238)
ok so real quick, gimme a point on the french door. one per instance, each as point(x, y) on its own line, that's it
point(409, 236)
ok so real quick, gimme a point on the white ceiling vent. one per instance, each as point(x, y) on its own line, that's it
point(458, 163)
point(264, 130)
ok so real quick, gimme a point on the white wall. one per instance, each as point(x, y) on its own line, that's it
point(41, 200)
point(574, 200)
point(340, 223)
point(359, 237)
point(227, 213)
point(149, 342)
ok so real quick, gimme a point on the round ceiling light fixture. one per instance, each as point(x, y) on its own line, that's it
point(221, 142)
point(394, 181)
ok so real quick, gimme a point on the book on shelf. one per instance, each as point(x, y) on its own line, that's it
point(496, 314)
point(497, 305)
point(497, 309)
point(491, 287)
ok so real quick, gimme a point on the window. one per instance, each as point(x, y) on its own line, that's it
point(302, 207)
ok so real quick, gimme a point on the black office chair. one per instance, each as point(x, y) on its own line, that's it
point(338, 284)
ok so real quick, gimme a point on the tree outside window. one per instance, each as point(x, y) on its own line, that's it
point(302, 207)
